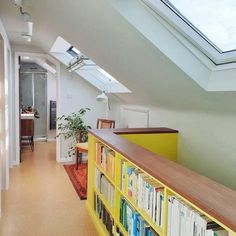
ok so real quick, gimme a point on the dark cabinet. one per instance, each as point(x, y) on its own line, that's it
point(53, 112)
point(27, 127)
point(27, 132)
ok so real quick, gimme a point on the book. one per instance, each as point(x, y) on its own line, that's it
point(143, 190)
point(104, 187)
point(183, 220)
point(133, 222)
point(104, 215)
point(105, 158)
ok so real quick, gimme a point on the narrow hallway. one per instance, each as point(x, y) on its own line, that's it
point(41, 200)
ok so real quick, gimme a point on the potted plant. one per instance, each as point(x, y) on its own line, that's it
point(73, 127)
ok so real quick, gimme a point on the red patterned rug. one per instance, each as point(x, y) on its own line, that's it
point(78, 178)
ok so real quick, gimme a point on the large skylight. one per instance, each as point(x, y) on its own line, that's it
point(209, 25)
point(215, 19)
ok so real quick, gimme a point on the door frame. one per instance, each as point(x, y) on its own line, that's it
point(16, 161)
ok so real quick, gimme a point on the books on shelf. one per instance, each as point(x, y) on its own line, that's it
point(104, 215)
point(183, 220)
point(146, 193)
point(133, 222)
point(105, 158)
point(104, 187)
point(141, 202)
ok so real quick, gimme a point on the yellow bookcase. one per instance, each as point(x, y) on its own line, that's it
point(131, 149)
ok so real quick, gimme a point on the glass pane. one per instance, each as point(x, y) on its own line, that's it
point(214, 18)
point(26, 88)
point(40, 96)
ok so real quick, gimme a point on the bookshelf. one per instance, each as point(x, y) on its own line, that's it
point(138, 189)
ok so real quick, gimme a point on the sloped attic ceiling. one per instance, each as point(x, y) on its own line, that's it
point(114, 44)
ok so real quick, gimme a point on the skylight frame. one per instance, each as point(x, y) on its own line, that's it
point(60, 50)
point(188, 30)
point(109, 77)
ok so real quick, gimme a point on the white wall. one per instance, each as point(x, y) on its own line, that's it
point(76, 93)
point(51, 96)
point(6, 113)
point(206, 139)
point(13, 113)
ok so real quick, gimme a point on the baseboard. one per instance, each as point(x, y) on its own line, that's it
point(72, 159)
point(40, 139)
point(65, 160)
point(51, 140)
point(15, 163)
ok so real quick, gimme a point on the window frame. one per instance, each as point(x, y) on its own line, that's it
point(167, 11)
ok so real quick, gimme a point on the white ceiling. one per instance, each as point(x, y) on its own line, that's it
point(102, 34)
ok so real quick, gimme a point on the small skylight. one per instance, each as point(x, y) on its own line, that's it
point(215, 20)
point(78, 63)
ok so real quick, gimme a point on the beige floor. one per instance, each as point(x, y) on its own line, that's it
point(41, 200)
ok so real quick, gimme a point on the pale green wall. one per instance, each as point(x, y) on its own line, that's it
point(207, 139)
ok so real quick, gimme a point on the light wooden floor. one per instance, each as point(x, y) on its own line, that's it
point(41, 200)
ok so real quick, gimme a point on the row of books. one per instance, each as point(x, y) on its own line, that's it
point(184, 220)
point(146, 193)
point(133, 222)
point(103, 185)
point(105, 158)
point(104, 215)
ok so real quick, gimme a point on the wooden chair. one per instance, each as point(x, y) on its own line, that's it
point(82, 147)
point(105, 124)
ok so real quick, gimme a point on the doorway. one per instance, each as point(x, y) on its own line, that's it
point(52, 68)
point(34, 95)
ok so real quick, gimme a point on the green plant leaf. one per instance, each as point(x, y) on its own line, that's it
point(71, 126)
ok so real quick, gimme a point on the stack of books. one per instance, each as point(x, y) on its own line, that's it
point(146, 193)
point(104, 215)
point(104, 187)
point(105, 158)
point(132, 221)
point(183, 220)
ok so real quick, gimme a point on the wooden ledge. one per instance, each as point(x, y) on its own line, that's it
point(144, 131)
point(213, 198)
